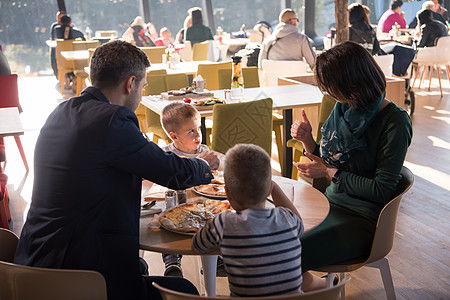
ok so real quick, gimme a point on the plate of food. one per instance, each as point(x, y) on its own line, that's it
point(208, 103)
point(188, 218)
point(215, 189)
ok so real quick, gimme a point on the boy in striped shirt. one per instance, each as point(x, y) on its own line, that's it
point(261, 247)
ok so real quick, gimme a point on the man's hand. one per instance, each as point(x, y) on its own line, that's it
point(302, 130)
point(317, 168)
point(211, 158)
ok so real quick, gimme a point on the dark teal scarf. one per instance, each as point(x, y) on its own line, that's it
point(343, 131)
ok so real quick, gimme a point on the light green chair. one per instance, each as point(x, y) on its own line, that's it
point(325, 110)
point(154, 54)
point(210, 73)
point(200, 51)
point(177, 81)
point(246, 122)
point(250, 74)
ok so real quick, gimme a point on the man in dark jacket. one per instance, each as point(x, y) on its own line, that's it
point(66, 30)
point(90, 159)
point(430, 29)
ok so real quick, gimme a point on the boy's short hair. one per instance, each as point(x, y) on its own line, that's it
point(247, 173)
point(175, 114)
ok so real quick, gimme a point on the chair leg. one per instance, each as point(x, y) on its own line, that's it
point(431, 77)
point(61, 78)
point(425, 69)
point(386, 276)
point(279, 141)
point(22, 153)
point(416, 72)
point(439, 77)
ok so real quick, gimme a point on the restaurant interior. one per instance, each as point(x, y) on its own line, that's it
point(416, 240)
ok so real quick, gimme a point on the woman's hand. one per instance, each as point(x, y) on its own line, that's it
point(302, 130)
point(317, 168)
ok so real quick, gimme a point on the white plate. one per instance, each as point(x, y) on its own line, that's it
point(208, 195)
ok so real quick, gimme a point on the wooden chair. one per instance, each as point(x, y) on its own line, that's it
point(272, 69)
point(177, 81)
point(210, 73)
point(8, 242)
point(10, 98)
point(79, 66)
point(30, 283)
point(382, 240)
point(325, 110)
point(64, 66)
point(154, 54)
point(246, 122)
point(200, 51)
point(330, 293)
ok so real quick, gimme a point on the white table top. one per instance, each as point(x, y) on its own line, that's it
point(10, 124)
point(188, 67)
point(76, 54)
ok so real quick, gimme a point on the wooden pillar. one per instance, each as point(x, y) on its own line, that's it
point(62, 6)
point(208, 15)
point(146, 11)
point(341, 14)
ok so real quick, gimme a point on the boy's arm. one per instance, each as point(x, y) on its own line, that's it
point(280, 199)
point(207, 238)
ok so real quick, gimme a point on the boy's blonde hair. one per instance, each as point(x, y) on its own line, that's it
point(175, 114)
point(247, 173)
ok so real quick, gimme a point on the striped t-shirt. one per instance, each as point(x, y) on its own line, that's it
point(261, 250)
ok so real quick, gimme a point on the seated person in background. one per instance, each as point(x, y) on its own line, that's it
point(59, 15)
point(250, 239)
point(430, 6)
point(363, 147)
point(198, 32)
point(360, 30)
point(152, 31)
point(287, 42)
point(181, 34)
point(165, 38)
point(441, 10)
point(181, 122)
point(85, 206)
point(66, 31)
point(392, 16)
point(138, 32)
point(430, 29)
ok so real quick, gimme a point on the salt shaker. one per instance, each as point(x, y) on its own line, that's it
point(181, 196)
point(170, 199)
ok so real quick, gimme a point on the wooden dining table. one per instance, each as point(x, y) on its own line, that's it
point(285, 98)
point(312, 205)
point(76, 55)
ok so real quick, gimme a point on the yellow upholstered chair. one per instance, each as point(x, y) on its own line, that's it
point(64, 66)
point(330, 293)
point(210, 73)
point(325, 110)
point(177, 81)
point(79, 65)
point(200, 51)
point(8, 242)
point(156, 84)
point(29, 283)
point(246, 122)
point(154, 54)
point(382, 240)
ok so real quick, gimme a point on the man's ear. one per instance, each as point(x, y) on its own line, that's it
point(129, 84)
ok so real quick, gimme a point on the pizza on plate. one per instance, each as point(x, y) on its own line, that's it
point(190, 217)
point(215, 188)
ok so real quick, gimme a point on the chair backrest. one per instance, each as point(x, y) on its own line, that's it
point(385, 230)
point(8, 245)
point(106, 33)
point(80, 64)
point(29, 283)
point(210, 73)
point(64, 45)
point(247, 122)
point(444, 41)
point(177, 81)
point(330, 293)
point(326, 107)
point(186, 52)
point(156, 84)
point(154, 54)
point(385, 62)
point(9, 91)
point(272, 69)
point(200, 51)
point(250, 74)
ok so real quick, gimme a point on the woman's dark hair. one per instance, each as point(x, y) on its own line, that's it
point(396, 3)
point(115, 61)
point(425, 17)
point(197, 17)
point(357, 14)
point(349, 73)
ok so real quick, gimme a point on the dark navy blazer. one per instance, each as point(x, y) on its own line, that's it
point(90, 159)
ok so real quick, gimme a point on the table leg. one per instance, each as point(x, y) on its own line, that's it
point(203, 123)
point(287, 152)
point(209, 264)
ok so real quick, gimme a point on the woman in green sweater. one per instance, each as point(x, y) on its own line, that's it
point(362, 150)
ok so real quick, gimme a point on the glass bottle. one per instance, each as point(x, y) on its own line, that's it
point(237, 80)
point(88, 33)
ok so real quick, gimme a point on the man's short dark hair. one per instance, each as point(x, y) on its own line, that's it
point(425, 17)
point(396, 3)
point(115, 61)
point(66, 20)
point(348, 72)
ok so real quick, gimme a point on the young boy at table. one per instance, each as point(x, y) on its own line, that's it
point(181, 122)
point(260, 246)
